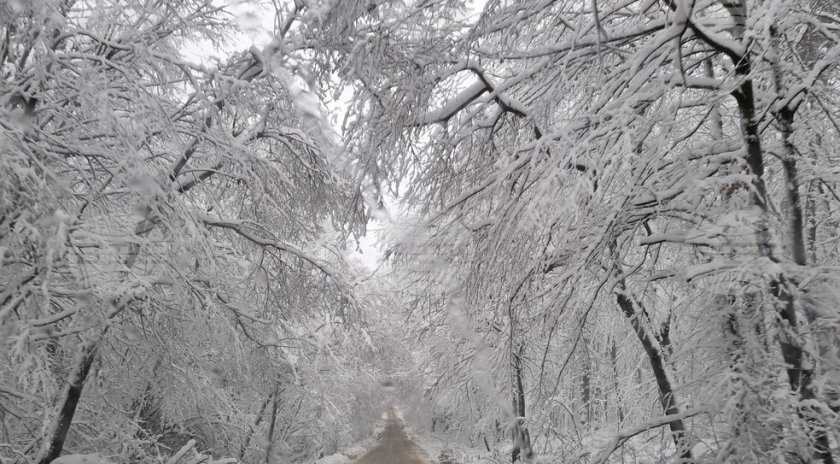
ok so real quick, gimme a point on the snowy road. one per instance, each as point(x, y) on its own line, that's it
point(394, 447)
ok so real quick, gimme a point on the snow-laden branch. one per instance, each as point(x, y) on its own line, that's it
point(487, 183)
point(793, 98)
point(180, 454)
point(586, 45)
point(453, 106)
point(685, 237)
point(239, 228)
point(713, 267)
point(622, 436)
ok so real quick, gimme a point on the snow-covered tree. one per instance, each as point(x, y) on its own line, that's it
point(170, 237)
point(587, 170)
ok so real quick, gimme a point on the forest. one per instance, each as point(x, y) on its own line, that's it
point(548, 231)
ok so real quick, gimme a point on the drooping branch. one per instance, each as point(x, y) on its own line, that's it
point(625, 434)
point(240, 228)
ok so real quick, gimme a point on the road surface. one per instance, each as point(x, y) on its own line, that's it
point(394, 447)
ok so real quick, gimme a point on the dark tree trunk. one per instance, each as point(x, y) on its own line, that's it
point(521, 437)
point(657, 363)
point(800, 377)
point(250, 434)
point(53, 441)
point(781, 288)
point(269, 446)
point(811, 219)
point(614, 361)
point(587, 395)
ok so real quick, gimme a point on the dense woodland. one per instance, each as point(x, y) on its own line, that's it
point(608, 230)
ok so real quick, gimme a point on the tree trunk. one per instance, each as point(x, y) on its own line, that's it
point(269, 446)
point(53, 440)
point(811, 215)
point(781, 287)
point(667, 395)
point(614, 361)
point(801, 381)
point(521, 437)
point(587, 395)
point(256, 424)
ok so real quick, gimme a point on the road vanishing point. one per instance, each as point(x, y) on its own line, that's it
point(394, 446)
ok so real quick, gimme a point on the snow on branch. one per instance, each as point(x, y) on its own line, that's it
point(619, 439)
point(487, 183)
point(731, 48)
point(793, 99)
point(452, 107)
point(183, 451)
point(685, 237)
point(239, 228)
